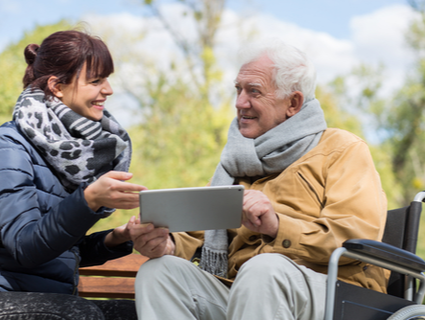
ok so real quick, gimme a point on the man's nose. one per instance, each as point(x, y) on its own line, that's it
point(242, 100)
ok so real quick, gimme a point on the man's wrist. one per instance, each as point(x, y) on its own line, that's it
point(273, 234)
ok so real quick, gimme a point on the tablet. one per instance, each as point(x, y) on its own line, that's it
point(193, 209)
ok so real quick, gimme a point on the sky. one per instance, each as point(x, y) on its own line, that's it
point(329, 16)
point(337, 35)
point(362, 30)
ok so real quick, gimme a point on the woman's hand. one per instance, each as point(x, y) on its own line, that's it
point(110, 191)
point(117, 236)
point(150, 241)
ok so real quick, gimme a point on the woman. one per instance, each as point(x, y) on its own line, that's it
point(63, 163)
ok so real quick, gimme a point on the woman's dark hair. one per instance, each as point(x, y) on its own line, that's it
point(63, 54)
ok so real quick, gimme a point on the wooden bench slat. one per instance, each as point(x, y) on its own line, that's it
point(122, 288)
point(116, 278)
point(122, 267)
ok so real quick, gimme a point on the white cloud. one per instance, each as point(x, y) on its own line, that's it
point(380, 34)
point(379, 37)
point(376, 38)
point(329, 55)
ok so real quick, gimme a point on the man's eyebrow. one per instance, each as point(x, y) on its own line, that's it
point(252, 84)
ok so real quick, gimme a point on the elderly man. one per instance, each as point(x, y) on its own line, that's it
point(308, 189)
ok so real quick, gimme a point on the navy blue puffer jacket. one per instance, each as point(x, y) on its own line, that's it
point(42, 226)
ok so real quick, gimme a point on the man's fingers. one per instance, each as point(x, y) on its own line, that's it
point(148, 233)
point(151, 247)
point(139, 229)
point(156, 246)
point(248, 224)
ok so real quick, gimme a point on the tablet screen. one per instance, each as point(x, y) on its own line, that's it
point(193, 209)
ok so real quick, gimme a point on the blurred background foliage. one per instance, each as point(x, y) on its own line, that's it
point(12, 66)
point(183, 117)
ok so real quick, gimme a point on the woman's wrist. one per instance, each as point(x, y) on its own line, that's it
point(90, 199)
point(112, 239)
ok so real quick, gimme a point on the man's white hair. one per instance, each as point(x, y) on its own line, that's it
point(292, 69)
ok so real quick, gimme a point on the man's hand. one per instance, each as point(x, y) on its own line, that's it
point(109, 191)
point(150, 241)
point(258, 213)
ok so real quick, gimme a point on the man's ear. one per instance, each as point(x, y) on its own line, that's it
point(55, 87)
point(296, 100)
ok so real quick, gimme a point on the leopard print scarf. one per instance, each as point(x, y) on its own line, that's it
point(78, 149)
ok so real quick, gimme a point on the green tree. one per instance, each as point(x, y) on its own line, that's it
point(198, 52)
point(398, 122)
point(180, 134)
point(13, 65)
point(399, 119)
point(180, 141)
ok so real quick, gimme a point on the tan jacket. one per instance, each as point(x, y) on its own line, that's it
point(331, 194)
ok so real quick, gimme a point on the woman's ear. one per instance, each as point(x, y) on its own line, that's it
point(55, 87)
point(297, 100)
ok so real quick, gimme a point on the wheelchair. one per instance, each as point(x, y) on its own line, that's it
point(396, 252)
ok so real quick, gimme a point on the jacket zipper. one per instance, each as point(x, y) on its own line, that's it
point(77, 259)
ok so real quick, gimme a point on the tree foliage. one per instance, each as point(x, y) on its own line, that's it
point(198, 52)
point(12, 66)
point(393, 124)
point(179, 137)
point(179, 142)
point(398, 120)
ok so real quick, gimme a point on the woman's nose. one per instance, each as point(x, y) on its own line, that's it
point(107, 89)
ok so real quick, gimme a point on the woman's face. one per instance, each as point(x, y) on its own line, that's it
point(85, 96)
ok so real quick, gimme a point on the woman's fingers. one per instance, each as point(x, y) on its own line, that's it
point(110, 191)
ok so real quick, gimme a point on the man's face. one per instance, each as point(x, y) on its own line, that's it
point(258, 109)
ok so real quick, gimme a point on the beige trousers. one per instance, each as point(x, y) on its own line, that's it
point(268, 286)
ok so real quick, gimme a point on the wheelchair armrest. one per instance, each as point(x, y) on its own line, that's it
point(385, 252)
point(381, 254)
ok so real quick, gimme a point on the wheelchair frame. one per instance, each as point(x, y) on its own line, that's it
point(382, 255)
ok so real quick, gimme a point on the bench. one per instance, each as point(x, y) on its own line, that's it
point(114, 279)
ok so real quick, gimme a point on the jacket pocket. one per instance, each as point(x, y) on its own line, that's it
point(310, 187)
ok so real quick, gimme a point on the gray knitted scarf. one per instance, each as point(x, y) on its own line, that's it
point(270, 153)
point(77, 149)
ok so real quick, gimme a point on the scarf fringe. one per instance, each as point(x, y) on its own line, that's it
point(214, 262)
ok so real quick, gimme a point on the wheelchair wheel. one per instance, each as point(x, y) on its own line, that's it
point(413, 312)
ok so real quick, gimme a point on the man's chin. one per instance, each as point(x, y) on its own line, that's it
point(249, 133)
